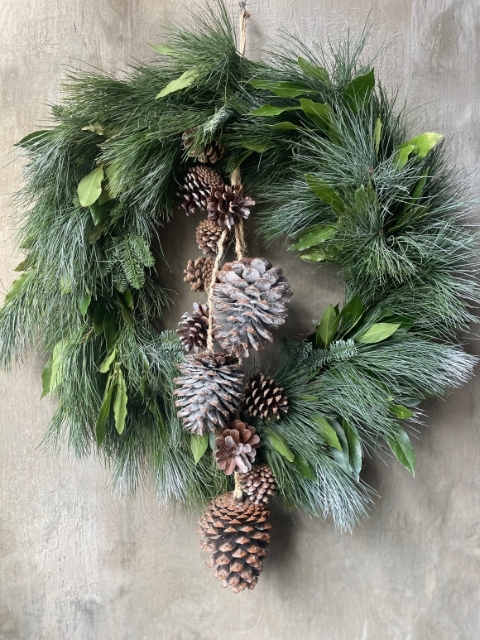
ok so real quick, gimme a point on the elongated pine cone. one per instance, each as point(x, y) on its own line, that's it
point(193, 328)
point(212, 152)
point(228, 205)
point(258, 484)
point(197, 186)
point(209, 390)
point(199, 273)
point(208, 234)
point(237, 537)
point(250, 297)
point(264, 399)
point(236, 446)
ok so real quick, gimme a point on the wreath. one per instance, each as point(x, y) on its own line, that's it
point(313, 138)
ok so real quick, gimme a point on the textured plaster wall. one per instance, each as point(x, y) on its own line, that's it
point(79, 563)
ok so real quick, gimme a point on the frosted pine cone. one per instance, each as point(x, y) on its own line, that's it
point(196, 188)
point(250, 298)
point(236, 446)
point(228, 205)
point(264, 399)
point(258, 484)
point(194, 327)
point(199, 273)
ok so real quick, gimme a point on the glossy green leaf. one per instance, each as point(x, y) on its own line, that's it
point(105, 196)
point(424, 143)
point(314, 256)
point(120, 402)
point(358, 90)
point(303, 468)
point(403, 155)
point(328, 326)
point(258, 148)
point(90, 187)
point(283, 126)
point(313, 236)
point(310, 69)
point(104, 413)
point(21, 266)
point(84, 303)
point(51, 374)
point(328, 432)
point(320, 113)
point(282, 89)
point(128, 298)
point(401, 412)
point(110, 329)
point(46, 377)
point(269, 110)
point(402, 449)
point(198, 445)
point(418, 189)
point(163, 49)
point(32, 138)
point(378, 332)
point(325, 192)
point(184, 81)
point(354, 449)
point(100, 212)
point(105, 366)
point(279, 444)
point(377, 134)
point(351, 313)
point(98, 316)
point(16, 286)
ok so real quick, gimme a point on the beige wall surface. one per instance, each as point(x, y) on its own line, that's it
point(78, 562)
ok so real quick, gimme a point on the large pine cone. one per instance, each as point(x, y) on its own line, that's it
point(198, 183)
point(264, 399)
point(199, 273)
point(209, 390)
point(249, 298)
point(212, 152)
point(236, 446)
point(258, 484)
point(228, 205)
point(193, 328)
point(208, 234)
point(237, 538)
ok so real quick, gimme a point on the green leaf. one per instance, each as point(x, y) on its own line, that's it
point(184, 81)
point(303, 468)
point(22, 266)
point(279, 444)
point(163, 49)
point(90, 187)
point(46, 377)
point(105, 196)
point(307, 398)
point(314, 256)
point(328, 432)
point(104, 412)
point(282, 89)
point(120, 402)
point(268, 110)
point(358, 90)
point(32, 138)
point(320, 113)
point(325, 192)
point(378, 332)
point(418, 189)
point(402, 449)
point(310, 69)
point(198, 445)
point(354, 449)
point(97, 128)
point(51, 374)
point(258, 148)
point(128, 298)
point(98, 316)
point(403, 155)
point(100, 212)
point(16, 286)
point(377, 134)
point(401, 412)
point(424, 143)
point(313, 236)
point(328, 325)
point(110, 329)
point(351, 313)
point(283, 126)
point(105, 366)
point(84, 303)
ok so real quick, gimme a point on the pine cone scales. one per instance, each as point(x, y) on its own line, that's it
point(209, 390)
point(199, 273)
point(207, 235)
point(213, 152)
point(264, 399)
point(236, 447)
point(228, 205)
point(250, 297)
point(194, 327)
point(198, 183)
point(237, 538)
point(258, 484)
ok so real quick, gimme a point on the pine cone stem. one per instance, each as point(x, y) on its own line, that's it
point(238, 492)
point(239, 240)
point(218, 259)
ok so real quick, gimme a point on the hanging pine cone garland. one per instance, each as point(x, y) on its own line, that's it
point(264, 398)
point(207, 235)
point(250, 297)
point(194, 327)
point(212, 152)
point(199, 273)
point(237, 538)
point(199, 182)
point(236, 446)
point(209, 390)
point(258, 484)
point(228, 205)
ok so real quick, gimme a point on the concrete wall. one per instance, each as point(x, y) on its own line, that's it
point(80, 563)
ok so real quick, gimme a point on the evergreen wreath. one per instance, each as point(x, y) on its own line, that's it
point(314, 138)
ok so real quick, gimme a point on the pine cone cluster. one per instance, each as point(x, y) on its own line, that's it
point(237, 538)
point(264, 398)
point(199, 273)
point(236, 446)
point(207, 235)
point(228, 205)
point(199, 182)
point(212, 152)
point(258, 484)
point(250, 297)
point(193, 328)
point(209, 390)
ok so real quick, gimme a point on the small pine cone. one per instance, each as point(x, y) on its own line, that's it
point(199, 273)
point(237, 538)
point(250, 297)
point(194, 327)
point(197, 186)
point(213, 152)
point(264, 399)
point(208, 234)
point(258, 484)
point(236, 446)
point(228, 205)
point(209, 390)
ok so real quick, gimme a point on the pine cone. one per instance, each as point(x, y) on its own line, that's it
point(199, 273)
point(237, 537)
point(264, 399)
point(208, 234)
point(250, 295)
point(228, 205)
point(198, 183)
point(212, 152)
point(258, 484)
point(209, 390)
point(194, 327)
point(236, 446)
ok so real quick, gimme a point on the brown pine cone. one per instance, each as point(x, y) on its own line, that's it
point(198, 183)
point(199, 273)
point(212, 152)
point(237, 538)
point(264, 399)
point(194, 327)
point(208, 234)
point(236, 447)
point(228, 205)
point(258, 484)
